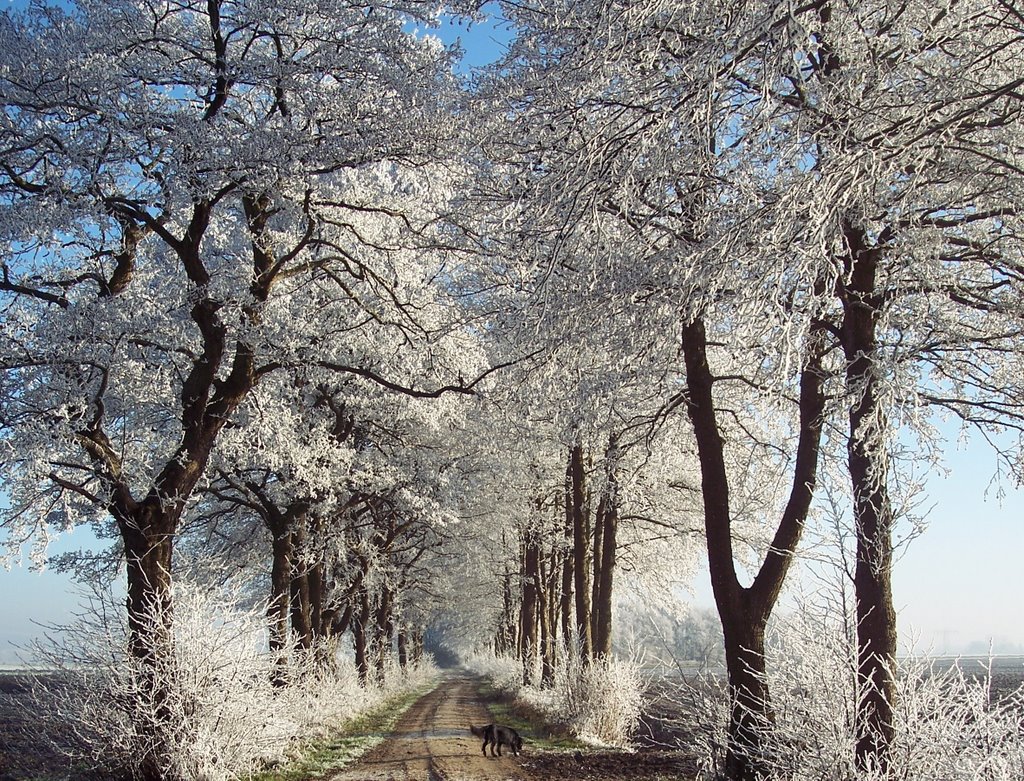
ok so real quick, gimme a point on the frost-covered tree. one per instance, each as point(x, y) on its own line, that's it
point(885, 140)
point(177, 180)
point(622, 207)
point(794, 204)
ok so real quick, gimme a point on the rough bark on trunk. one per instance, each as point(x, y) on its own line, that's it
point(868, 464)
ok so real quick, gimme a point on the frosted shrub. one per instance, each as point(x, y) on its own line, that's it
point(322, 696)
point(600, 702)
point(221, 717)
point(504, 672)
point(948, 726)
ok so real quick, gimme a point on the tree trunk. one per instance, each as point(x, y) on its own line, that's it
point(417, 645)
point(315, 586)
point(279, 609)
point(595, 592)
point(360, 619)
point(868, 463)
point(547, 640)
point(531, 578)
point(300, 612)
point(147, 535)
point(565, 606)
point(609, 520)
point(581, 554)
point(384, 630)
point(554, 575)
point(403, 648)
point(506, 627)
point(744, 612)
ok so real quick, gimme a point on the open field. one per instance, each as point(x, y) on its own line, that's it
point(22, 754)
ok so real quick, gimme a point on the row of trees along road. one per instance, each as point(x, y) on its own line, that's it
point(256, 264)
point(807, 214)
point(214, 213)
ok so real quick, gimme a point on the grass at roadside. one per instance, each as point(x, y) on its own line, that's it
point(527, 721)
point(345, 745)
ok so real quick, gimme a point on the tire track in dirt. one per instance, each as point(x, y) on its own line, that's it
point(431, 742)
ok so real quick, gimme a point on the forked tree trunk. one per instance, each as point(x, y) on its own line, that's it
point(868, 464)
point(744, 612)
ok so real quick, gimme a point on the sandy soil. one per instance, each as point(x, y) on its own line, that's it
point(432, 742)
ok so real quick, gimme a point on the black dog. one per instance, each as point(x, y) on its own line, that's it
point(497, 735)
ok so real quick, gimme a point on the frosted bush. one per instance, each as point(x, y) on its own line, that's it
point(948, 723)
point(600, 702)
point(504, 672)
point(320, 696)
point(219, 715)
point(222, 717)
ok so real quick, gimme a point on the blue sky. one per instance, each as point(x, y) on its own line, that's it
point(957, 586)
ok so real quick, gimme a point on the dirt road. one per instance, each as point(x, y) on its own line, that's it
point(432, 742)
